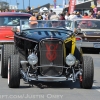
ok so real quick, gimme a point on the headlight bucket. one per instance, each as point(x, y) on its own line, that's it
point(32, 59)
point(70, 60)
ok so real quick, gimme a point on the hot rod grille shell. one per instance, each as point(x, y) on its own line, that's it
point(51, 54)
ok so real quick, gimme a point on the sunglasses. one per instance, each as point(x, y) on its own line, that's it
point(54, 21)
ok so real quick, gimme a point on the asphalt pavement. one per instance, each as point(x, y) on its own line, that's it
point(54, 91)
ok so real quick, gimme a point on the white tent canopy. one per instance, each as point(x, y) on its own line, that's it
point(43, 9)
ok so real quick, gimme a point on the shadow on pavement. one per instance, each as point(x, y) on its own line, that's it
point(43, 85)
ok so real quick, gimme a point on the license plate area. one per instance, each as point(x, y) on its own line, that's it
point(96, 45)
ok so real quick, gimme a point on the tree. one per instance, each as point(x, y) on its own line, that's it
point(4, 5)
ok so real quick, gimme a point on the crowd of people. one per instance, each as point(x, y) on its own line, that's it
point(61, 16)
point(37, 19)
point(66, 16)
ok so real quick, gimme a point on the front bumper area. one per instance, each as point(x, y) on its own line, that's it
point(71, 77)
point(48, 79)
point(91, 44)
point(30, 77)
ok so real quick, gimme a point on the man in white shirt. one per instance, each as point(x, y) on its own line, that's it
point(72, 16)
point(44, 17)
point(67, 16)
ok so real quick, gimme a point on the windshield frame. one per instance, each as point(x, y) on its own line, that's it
point(27, 21)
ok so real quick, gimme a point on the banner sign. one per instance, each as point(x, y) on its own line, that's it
point(79, 1)
point(71, 6)
point(55, 4)
point(98, 3)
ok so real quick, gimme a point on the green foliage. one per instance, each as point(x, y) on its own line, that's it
point(4, 5)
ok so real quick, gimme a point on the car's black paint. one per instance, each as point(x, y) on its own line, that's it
point(39, 34)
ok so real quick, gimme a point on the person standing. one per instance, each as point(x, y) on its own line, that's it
point(33, 21)
point(79, 16)
point(6, 10)
point(98, 15)
point(28, 10)
point(73, 16)
point(95, 10)
point(39, 18)
point(67, 16)
point(50, 14)
point(61, 17)
point(43, 15)
point(86, 16)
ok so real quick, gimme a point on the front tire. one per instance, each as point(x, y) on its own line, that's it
point(14, 71)
point(88, 73)
point(7, 50)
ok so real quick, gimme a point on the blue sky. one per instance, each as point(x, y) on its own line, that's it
point(34, 3)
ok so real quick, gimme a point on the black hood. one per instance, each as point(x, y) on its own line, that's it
point(42, 34)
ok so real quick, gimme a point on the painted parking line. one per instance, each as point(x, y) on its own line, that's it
point(96, 87)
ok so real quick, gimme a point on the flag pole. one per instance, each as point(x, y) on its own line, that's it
point(55, 4)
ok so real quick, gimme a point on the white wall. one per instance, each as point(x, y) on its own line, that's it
point(81, 1)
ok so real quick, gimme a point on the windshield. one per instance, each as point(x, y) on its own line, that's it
point(26, 24)
point(45, 28)
point(11, 20)
point(87, 24)
point(69, 25)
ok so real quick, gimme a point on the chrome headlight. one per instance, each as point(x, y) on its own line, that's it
point(32, 59)
point(70, 60)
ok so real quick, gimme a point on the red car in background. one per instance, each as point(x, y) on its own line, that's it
point(7, 21)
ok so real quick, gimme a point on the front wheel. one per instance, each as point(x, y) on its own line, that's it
point(6, 51)
point(13, 71)
point(86, 80)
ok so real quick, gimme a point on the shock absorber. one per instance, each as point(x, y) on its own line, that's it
point(74, 78)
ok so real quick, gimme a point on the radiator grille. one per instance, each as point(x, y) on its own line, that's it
point(51, 53)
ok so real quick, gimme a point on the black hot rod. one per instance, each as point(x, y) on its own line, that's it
point(48, 54)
